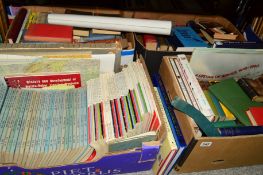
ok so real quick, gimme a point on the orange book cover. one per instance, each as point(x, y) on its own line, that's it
point(49, 33)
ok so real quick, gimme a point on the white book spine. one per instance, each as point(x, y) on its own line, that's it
point(197, 90)
point(185, 78)
point(180, 82)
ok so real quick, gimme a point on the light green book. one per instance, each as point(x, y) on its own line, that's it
point(3, 91)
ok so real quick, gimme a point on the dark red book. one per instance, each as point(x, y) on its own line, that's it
point(96, 122)
point(49, 33)
point(255, 115)
point(114, 119)
point(89, 125)
point(41, 81)
point(118, 117)
point(102, 120)
point(124, 113)
point(15, 26)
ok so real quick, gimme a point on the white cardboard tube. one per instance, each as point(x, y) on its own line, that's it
point(113, 23)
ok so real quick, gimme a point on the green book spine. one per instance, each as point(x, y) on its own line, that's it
point(225, 124)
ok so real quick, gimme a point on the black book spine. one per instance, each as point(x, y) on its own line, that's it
point(247, 88)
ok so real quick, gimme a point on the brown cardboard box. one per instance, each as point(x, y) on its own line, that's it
point(153, 58)
point(207, 153)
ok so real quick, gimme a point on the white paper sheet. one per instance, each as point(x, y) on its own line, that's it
point(217, 63)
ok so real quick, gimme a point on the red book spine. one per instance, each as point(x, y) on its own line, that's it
point(89, 125)
point(124, 113)
point(118, 117)
point(96, 122)
point(40, 81)
point(102, 120)
point(116, 131)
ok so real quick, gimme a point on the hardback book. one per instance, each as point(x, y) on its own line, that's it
point(150, 41)
point(77, 31)
point(97, 37)
point(105, 32)
point(255, 115)
point(253, 88)
point(49, 33)
point(15, 27)
point(234, 98)
point(162, 44)
point(3, 20)
point(23, 27)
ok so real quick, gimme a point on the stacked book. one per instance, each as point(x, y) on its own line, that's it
point(47, 127)
point(120, 105)
point(224, 105)
point(50, 127)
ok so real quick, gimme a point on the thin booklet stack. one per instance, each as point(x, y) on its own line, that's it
point(121, 106)
point(41, 128)
point(48, 127)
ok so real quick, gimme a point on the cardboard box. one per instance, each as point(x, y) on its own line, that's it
point(140, 159)
point(154, 58)
point(136, 159)
point(207, 153)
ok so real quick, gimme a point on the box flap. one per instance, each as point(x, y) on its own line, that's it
point(149, 152)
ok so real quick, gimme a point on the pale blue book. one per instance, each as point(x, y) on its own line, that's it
point(20, 104)
point(3, 91)
point(37, 126)
point(41, 128)
point(50, 120)
point(5, 110)
point(7, 122)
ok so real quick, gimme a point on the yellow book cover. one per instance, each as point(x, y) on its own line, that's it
point(168, 144)
point(228, 114)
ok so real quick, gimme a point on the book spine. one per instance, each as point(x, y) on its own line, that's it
point(19, 37)
point(247, 88)
point(180, 82)
point(185, 80)
point(197, 90)
point(246, 130)
point(178, 135)
point(3, 19)
point(15, 27)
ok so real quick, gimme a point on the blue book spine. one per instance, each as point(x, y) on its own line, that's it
point(94, 37)
point(239, 44)
point(177, 133)
point(245, 130)
point(188, 37)
point(172, 121)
